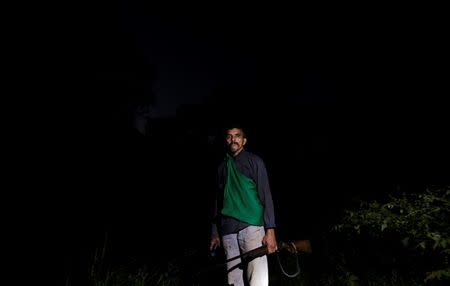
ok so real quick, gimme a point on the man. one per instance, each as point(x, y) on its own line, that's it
point(244, 213)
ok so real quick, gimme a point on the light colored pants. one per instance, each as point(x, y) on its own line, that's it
point(237, 243)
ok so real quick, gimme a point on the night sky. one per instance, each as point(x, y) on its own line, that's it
point(338, 101)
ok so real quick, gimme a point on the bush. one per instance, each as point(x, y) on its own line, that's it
point(410, 232)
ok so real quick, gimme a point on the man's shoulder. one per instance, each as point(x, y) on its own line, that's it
point(254, 157)
point(221, 164)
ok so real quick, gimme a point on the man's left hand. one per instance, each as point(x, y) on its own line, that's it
point(270, 240)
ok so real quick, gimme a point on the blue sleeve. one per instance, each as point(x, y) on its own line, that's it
point(265, 195)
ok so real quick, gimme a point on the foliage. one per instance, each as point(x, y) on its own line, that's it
point(167, 275)
point(419, 223)
point(102, 274)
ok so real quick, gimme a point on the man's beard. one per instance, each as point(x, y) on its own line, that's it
point(232, 145)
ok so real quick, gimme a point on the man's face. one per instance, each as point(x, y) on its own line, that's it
point(235, 140)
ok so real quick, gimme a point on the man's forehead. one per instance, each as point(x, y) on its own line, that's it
point(234, 131)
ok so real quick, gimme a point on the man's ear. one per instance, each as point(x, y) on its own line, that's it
point(245, 141)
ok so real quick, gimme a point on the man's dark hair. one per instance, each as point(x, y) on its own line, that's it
point(237, 126)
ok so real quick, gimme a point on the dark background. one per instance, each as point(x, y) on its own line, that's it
point(338, 101)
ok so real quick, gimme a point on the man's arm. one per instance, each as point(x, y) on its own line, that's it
point(215, 239)
point(264, 193)
point(265, 196)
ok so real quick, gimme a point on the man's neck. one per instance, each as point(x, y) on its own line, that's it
point(237, 152)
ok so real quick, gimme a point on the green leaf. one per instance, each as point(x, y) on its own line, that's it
point(422, 245)
point(405, 241)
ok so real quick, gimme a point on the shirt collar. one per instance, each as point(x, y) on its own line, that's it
point(238, 156)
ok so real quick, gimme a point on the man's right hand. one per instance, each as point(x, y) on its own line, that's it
point(215, 242)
